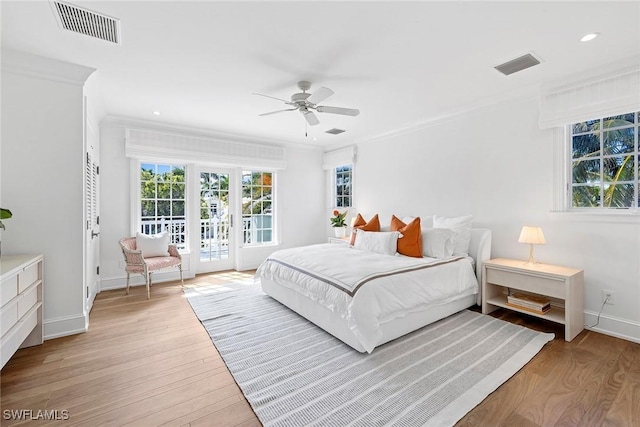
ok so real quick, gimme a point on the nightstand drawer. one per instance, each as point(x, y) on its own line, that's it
point(526, 282)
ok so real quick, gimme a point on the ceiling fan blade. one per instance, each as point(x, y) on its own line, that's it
point(320, 95)
point(279, 111)
point(338, 110)
point(312, 119)
point(272, 97)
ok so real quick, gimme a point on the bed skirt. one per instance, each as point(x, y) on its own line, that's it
point(337, 326)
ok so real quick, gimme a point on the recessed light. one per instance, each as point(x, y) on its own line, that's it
point(156, 113)
point(589, 37)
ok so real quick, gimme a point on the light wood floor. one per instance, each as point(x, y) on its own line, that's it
point(150, 362)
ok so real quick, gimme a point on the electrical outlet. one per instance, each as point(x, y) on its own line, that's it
point(609, 295)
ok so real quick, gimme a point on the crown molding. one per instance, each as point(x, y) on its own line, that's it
point(27, 64)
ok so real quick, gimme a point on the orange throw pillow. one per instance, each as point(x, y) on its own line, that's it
point(360, 224)
point(411, 242)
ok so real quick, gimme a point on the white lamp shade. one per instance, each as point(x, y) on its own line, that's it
point(532, 235)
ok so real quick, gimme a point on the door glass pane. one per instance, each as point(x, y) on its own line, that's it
point(214, 216)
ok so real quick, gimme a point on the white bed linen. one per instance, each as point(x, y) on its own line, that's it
point(366, 288)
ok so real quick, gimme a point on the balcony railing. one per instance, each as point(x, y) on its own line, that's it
point(213, 230)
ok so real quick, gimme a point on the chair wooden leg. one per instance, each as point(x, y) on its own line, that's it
point(181, 279)
point(127, 283)
point(149, 287)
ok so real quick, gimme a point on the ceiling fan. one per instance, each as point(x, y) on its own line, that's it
point(307, 103)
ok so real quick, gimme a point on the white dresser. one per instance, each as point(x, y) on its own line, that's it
point(21, 303)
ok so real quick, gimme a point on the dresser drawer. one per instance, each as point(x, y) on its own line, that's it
point(527, 282)
point(8, 317)
point(27, 276)
point(8, 289)
point(27, 300)
point(11, 342)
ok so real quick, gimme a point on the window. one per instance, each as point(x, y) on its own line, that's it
point(257, 207)
point(343, 182)
point(162, 201)
point(605, 163)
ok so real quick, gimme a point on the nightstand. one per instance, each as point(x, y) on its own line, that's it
point(562, 285)
point(340, 240)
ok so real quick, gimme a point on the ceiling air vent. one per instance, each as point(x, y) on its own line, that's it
point(335, 131)
point(518, 64)
point(87, 22)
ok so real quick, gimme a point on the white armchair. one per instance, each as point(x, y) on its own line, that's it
point(136, 263)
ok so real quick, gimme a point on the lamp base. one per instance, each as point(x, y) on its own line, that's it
point(530, 262)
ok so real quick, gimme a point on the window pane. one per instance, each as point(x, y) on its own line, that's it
point(586, 171)
point(177, 208)
point(621, 120)
point(148, 208)
point(619, 168)
point(586, 196)
point(618, 141)
point(619, 195)
point(586, 145)
point(177, 191)
point(246, 178)
point(587, 126)
point(164, 208)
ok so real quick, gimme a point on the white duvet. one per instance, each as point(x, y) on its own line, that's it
point(366, 288)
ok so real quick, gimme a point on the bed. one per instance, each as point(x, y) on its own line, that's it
point(366, 299)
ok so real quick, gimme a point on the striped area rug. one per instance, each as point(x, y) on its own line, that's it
point(295, 374)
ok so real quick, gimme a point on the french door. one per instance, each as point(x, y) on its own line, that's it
point(214, 240)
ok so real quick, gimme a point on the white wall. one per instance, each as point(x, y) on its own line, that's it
point(42, 178)
point(300, 188)
point(497, 165)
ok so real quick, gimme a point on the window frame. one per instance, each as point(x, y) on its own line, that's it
point(335, 179)
point(568, 161)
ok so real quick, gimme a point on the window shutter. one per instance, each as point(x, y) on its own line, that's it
point(340, 157)
point(612, 92)
point(175, 148)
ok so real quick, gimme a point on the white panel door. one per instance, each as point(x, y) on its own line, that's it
point(92, 216)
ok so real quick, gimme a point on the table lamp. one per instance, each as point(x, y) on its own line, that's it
point(532, 236)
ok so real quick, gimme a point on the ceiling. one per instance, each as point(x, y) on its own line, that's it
point(402, 64)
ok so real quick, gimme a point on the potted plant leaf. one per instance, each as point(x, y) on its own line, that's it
point(4, 214)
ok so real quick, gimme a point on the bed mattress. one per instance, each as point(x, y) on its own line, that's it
point(363, 291)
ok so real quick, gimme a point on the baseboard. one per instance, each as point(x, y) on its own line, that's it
point(64, 326)
point(613, 326)
point(137, 280)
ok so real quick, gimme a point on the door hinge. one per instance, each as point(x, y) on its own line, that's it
point(97, 170)
point(98, 270)
point(98, 220)
point(87, 293)
point(231, 220)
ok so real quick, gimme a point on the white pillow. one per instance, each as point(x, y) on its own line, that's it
point(461, 225)
point(153, 245)
point(426, 221)
point(438, 242)
point(382, 242)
